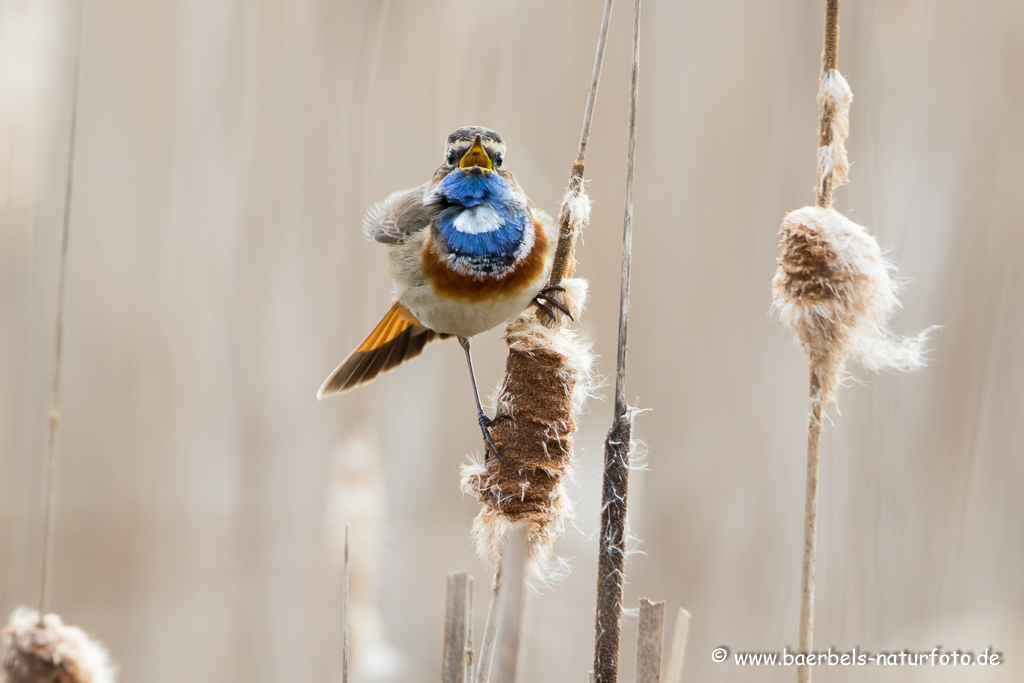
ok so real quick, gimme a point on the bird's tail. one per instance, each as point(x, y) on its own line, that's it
point(398, 337)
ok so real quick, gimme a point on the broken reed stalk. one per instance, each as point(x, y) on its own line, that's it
point(54, 414)
point(650, 637)
point(458, 628)
point(618, 444)
point(677, 651)
point(486, 655)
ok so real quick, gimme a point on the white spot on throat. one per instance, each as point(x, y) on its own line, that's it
point(478, 219)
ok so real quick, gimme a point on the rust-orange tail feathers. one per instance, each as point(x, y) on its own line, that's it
point(398, 337)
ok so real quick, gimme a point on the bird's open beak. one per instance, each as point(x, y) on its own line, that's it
point(476, 156)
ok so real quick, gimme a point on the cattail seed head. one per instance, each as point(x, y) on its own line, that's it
point(548, 377)
point(48, 651)
point(835, 293)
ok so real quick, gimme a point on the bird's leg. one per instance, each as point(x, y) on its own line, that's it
point(485, 422)
point(544, 299)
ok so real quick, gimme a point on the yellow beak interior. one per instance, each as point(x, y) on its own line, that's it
point(476, 156)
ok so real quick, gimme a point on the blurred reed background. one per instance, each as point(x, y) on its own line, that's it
point(217, 273)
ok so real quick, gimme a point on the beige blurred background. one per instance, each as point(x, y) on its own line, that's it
point(216, 272)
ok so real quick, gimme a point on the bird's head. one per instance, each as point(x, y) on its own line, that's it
point(473, 149)
point(473, 170)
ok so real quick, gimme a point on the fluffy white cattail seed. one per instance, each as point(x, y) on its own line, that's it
point(48, 651)
point(834, 98)
point(835, 293)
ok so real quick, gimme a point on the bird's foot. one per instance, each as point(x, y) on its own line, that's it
point(485, 428)
point(546, 300)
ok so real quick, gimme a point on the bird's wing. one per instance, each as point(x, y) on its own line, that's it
point(401, 215)
point(398, 337)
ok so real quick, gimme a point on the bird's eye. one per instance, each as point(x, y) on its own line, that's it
point(498, 159)
point(451, 157)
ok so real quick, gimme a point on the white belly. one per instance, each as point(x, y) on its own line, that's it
point(465, 318)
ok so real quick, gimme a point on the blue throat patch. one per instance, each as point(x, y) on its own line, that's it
point(484, 223)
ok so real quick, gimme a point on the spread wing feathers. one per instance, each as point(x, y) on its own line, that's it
point(400, 215)
point(398, 337)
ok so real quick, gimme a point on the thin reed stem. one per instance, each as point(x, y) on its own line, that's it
point(362, 97)
point(483, 666)
point(344, 613)
point(467, 669)
point(810, 526)
point(54, 416)
point(564, 261)
point(615, 488)
point(829, 59)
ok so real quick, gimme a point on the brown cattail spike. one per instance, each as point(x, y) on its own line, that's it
point(547, 380)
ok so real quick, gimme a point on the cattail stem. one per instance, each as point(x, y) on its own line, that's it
point(830, 51)
point(824, 197)
point(615, 488)
point(54, 417)
point(829, 58)
point(810, 526)
point(565, 262)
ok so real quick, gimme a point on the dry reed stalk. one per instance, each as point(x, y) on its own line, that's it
point(42, 649)
point(513, 569)
point(54, 416)
point(344, 612)
point(457, 650)
point(356, 498)
point(548, 377)
point(650, 636)
point(677, 651)
point(619, 443)
point(467, 662)
point(483, 666)
point(834, 291)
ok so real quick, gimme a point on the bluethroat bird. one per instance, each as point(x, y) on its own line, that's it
point(467, 251)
